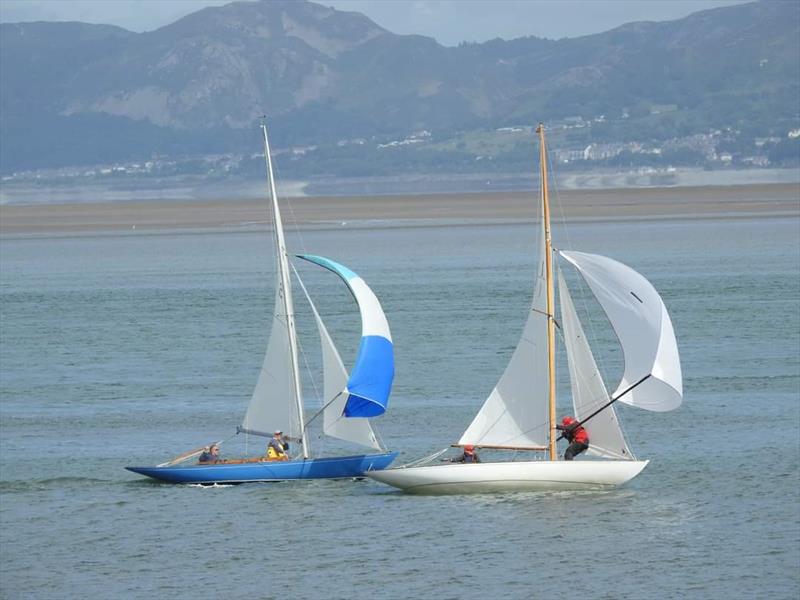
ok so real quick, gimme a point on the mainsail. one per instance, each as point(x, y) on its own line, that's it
point(516, 412)
point(271, 406)
point(588, 390)
point(277, 402)
point(644, 329)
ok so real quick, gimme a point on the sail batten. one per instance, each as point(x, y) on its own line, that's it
point(640, 320)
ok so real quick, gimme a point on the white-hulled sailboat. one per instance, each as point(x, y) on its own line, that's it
point(520, 413)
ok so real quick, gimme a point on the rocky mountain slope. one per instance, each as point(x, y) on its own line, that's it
point(72, 93)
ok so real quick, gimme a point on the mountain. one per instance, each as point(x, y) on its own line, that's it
point(73, 93)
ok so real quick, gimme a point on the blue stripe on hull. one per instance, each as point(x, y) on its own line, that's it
point(340, 467)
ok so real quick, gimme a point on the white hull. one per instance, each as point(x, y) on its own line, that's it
point(510, 476)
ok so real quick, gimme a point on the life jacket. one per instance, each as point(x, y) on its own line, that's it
point(273, 454)
point(580, 435)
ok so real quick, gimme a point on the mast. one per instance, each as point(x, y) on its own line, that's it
point(285, 290)
point(548, 261)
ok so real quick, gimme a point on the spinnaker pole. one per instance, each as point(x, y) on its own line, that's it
point(610, 402)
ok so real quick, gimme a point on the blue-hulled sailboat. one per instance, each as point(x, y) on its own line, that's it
point(277, 401)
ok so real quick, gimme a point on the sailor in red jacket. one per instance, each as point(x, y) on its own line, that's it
point(576, 436)
point(468, 456)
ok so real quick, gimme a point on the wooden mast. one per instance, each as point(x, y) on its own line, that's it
point(548, 261)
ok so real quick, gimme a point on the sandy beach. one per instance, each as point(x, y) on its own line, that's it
point(641, 203)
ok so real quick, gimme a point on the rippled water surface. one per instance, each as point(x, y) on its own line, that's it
point(129, 349)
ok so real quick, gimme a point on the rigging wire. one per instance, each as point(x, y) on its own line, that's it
point(295, 224)
point(302, 348)
point(425, 459)
point(569, 245)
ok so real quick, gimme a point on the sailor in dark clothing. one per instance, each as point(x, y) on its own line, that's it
point(576, 435)
point(210, 456)
point(468, 456)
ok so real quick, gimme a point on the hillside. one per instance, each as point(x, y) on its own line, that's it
point(337, 86)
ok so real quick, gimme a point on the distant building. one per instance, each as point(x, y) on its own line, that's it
point(756, 161)
point(601, 151)
point(658, 109)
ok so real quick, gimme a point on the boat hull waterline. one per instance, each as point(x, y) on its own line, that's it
point(511, 476)
point(340, 467)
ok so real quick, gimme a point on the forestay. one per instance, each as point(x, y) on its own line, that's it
point(370, 383)
point(644, 329)
point(516, 412)
point(588, 390)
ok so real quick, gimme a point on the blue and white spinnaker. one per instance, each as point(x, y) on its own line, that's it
point(370, 381)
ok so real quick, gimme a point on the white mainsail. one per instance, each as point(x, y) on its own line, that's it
point(644, 329)
point(277, 402)
point(516, 412)
point(271, 406)
point(588, 390)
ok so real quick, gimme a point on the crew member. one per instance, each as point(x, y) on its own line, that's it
point(468, 456)
point(278, 447)
point(576, 436)
point(210, 455)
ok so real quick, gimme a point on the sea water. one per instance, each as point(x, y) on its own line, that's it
point(130, 349)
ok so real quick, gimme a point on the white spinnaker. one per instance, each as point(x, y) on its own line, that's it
point(644, 329)
point(588, 390)
point(356, 430)
point(516, 412)
point(272, 405)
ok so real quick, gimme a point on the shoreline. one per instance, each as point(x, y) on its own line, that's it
point(735, 201)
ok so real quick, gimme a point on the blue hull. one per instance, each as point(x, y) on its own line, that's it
point(340, 467)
